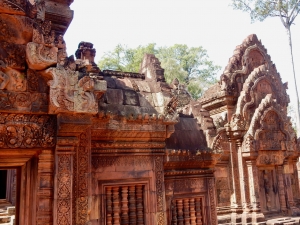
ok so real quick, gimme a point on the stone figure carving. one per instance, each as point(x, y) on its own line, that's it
point(41, 53)
point(71, 89)
point(11, 79)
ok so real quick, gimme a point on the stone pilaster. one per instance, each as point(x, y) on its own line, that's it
point(281, 189)
point(63, 180)
point(253, 186)
point(235, 201)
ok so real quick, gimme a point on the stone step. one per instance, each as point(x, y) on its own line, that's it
point(283, 221)
point(260, 223)
point(5, 220)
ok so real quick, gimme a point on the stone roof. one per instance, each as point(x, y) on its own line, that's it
point(187, 136)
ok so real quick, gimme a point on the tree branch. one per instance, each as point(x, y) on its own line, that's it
point(295, 14)
point(281, 16)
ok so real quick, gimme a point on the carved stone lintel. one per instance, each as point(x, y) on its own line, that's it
point(26, 131)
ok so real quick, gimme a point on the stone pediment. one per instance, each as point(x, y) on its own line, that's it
point(246, 57)
point(270, 129)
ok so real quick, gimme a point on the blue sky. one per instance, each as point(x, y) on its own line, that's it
point(212, 24)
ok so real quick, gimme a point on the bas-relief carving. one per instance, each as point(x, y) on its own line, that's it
point(83, 169)
point(67, 94)
point(184, 186)
point(64, 190)
point(40, 57)
point(270, 158)
point(26, 131)
point(106, 161)
point(160, 191)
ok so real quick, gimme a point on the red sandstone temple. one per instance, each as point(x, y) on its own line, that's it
point(82, 146)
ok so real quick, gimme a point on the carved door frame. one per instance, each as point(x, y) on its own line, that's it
point(26, 164)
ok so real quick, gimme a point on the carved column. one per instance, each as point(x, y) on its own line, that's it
point(139, 204)
point(192, 211)
point(186, 211)
point(108, 206)
point(132, 205)
point(124, 216)
point(174, 213)
point(116, 209)
point(281, 189)
point(179, 211)
point(243, 183)
point(235, 185)
point(63, 183)
point(198, 211)
point(253, 185)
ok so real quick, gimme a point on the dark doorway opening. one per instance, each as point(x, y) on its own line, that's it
point(3, 183)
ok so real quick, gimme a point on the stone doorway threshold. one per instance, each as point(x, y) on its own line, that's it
point(273, 221)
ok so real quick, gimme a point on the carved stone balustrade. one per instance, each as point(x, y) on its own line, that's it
point(187, 211)
point(125, 205)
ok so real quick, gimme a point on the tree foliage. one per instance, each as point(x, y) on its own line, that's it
point(191, 66)
point(287, 11)
point(259, 10)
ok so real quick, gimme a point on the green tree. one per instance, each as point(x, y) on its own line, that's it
point(125, 59)
point(191, 66)
point(287, 11)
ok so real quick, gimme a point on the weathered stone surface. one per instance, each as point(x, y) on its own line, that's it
point(13, 55)
point(128, 148)
point(114, 96)
point(15, 29)
point(131, 98)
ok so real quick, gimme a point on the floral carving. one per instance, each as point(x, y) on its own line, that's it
point(159, 190)
point(64, 191)
point(83, 164)
point(26, 131)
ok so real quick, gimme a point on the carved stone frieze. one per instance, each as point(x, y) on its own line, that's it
point(185, 185)
point(23, 101)
point(105, 161)
point(270, 158)
point(26, 131)
point(131, 145)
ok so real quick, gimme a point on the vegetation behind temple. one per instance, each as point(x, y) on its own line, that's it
point(190, 65)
